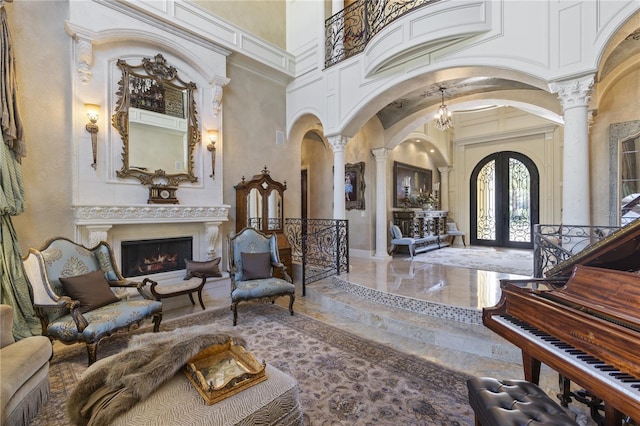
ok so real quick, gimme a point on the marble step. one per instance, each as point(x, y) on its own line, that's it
point(469, 338)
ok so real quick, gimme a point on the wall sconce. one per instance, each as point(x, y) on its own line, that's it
point(93, 112)
point(211, 147)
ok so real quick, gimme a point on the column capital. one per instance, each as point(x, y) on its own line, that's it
point(573, 93)
point(380, 154)
point(445, 169)
point(338, 142)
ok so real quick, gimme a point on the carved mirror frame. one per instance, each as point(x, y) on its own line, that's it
point(618, 133)
point(155, 72)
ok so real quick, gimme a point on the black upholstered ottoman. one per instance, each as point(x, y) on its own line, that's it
point(513, 402)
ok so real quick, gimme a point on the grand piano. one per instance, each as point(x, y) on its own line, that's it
point(583, 321)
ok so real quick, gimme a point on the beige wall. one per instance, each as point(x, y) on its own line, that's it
point(254, 109)
point(42, 52)
point(264, 18)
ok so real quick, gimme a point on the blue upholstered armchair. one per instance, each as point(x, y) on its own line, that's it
point(252, 259)
point(74, 298)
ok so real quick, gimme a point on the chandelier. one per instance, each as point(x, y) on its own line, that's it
point(442, 119)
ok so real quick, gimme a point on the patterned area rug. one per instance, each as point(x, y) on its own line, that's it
point(509, 261)
point(343, 379)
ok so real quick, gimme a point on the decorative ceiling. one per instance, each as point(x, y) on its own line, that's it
point(628, 48)
point(431, 96)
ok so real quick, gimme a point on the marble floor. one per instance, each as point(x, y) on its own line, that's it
point(442, 285)
point(449, 343)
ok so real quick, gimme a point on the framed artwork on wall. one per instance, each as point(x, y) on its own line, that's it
point(354, 186)
point(409, 181)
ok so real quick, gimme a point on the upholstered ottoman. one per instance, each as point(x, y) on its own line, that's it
point(271, 402)
point(513, 402)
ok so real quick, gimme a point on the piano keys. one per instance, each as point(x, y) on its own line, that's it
point(587, 328)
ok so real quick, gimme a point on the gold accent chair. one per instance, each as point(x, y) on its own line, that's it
point(73, 293)
point(253, 256)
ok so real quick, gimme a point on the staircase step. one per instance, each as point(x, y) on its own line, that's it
point(470, 338)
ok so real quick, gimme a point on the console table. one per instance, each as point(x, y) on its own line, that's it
point(427, 227)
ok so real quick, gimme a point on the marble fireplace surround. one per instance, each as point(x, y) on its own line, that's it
point(115, 224)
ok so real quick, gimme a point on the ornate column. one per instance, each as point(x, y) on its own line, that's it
point(380, 155)
point(211, 230)
point(574, 96)
point(444, 187)
point(338, 143)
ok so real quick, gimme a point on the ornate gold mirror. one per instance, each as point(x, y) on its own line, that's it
point(157, 119)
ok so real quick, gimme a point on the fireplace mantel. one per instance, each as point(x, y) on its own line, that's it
point(148, 213)
point(98, 220)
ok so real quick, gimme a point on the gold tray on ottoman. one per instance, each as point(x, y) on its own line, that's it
point(223, 370)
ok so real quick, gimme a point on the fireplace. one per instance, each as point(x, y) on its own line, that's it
point(146, 257)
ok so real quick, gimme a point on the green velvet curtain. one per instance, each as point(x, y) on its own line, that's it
point(14, 289)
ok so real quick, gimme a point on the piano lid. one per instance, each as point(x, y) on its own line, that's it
point(620, 251)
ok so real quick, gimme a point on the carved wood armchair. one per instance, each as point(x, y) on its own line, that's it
point(74, 298)
point(253, 256)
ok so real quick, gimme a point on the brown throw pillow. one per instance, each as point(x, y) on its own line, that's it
point(91, 290)
point(256, 265)
point(207, 268)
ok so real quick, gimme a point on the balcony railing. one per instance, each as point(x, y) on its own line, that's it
point(553, 244)
point(321, 245)
point(350, 30)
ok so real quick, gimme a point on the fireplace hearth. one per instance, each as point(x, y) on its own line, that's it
point(146, 257)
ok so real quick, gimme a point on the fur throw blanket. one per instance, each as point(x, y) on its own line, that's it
point(112, 386)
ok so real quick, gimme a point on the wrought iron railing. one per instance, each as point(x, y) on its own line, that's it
point(553, 244)
point(350, 30)
point(320, 245)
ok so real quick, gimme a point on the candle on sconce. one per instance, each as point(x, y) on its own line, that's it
point(436, 186)
point(406, 181)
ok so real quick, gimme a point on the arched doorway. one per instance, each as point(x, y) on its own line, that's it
point(504, 200)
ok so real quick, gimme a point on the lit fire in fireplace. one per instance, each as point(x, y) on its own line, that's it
point(145, 257)
point(158, 263)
